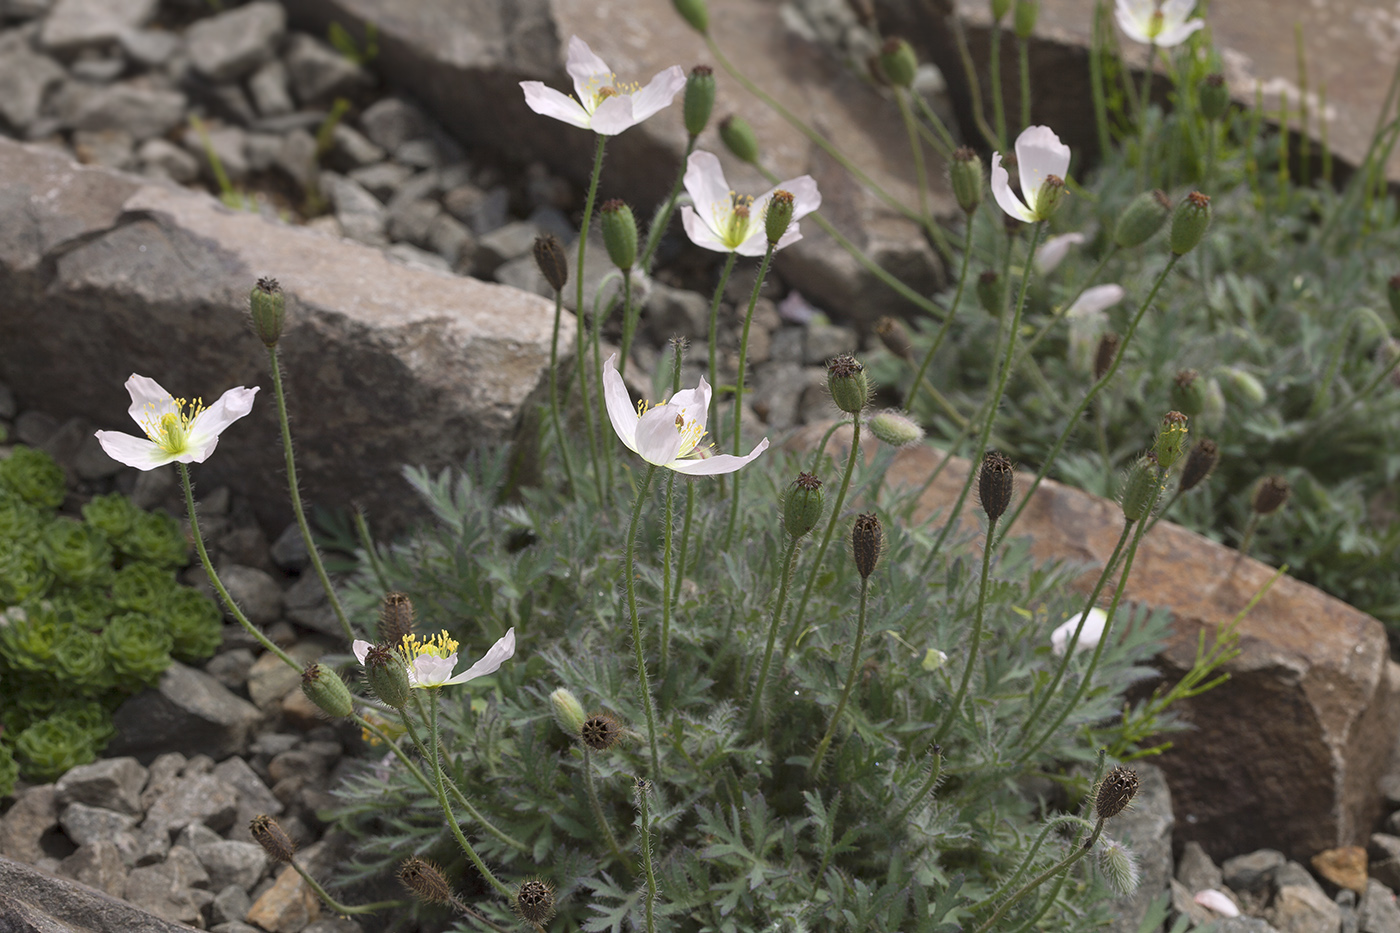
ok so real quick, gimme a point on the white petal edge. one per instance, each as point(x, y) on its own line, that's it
point(1088, 638)
point(547, 102)
point(210, 423)
point(499, 653)
point(660, 91)
point(1096, 300)
point(1054, 250)
point(135, 452)
point(1175, 35)
point(149, 400)
point(620, 411)
point(1005, 197)
point(361, 649)
point(704, 182)
point(1217, 901)
point(700, 233)
point(1176, 11)
point(1039, 154)
point(712, 466)
point(613, 115)
point(582, 65)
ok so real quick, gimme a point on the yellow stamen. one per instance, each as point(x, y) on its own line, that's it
point(171, 430)
point(440, 646)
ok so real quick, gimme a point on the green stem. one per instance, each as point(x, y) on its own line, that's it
point(1249, 531)
point(643, 685)
point(998, 98)
point(462, 800)
point(1142, 113)
point(597, 806)
point(371, 553)
point(756, 699)
point(663, 218)
point(1063, 310)
point(312, 551)
point(945, 145)
point(1023, 47)
point(644, 824)
point(334, 904)
point(955, 707)
point(915, 146)
point(554, 392)
point(713, 423)
point(947, 320)
point(214, 576)
point(685, 544)
point(629, 322)
point(666, 574)
point(974, 88)
point(594, 441)
point(825, 743)
point(924, 790)
point(1078, 853)
point(739, 387)
point(603, 421)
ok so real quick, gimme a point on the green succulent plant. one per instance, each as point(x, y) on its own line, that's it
point(139, 647)
point(34, 476)
point(76, 553)
point(195, 623)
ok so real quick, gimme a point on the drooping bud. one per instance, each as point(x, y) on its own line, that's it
point(1052, 192)
point(695, 13)
point(803, 504)
point(1119, 867)
point(895, 428)
point(999, 10)
point(995, 482)
point(387, 676)
point(1392, 294)
point(1142, 218)
point(778, 216)
point(1244, 385)
point(1171, 439)
point(966, 176)
point(991, 295)
point(1105, 354)
point(549, 256)
point(895, 336)
point(1215, 97)
point(699, 100)
point(395, 619)
point(1200, 463)
point(1190, 222)
point(620, 234)
point(534, 902)
point(1141, 488)
point(1270, 495)
point(739, 138)
point(324, 687)
point(600, 732)
point(425, 880)
point(269, 309)
point(898, 62)
point(1189, 392)
point(845, 377)
point(1023, 23)
point(568, 712)
point(1116, 791)
point(867, 541)
point(274, 840)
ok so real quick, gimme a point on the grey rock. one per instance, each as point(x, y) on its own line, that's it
point(255, 592)
point(1300, 908)
point(501, 246)
point(525, 275)
point(162, 157)
point(289, 550)
point(113, 149)
point(419, 185)
point(263, 150)
point(334, 925)
point(1293, 874)
point(153, 487)
point(199, 798)
point(195, 835)
point(450, 239)
point(229, 45)
point(73, 24)
point(27, 9)
point(98, 865)
point(8, 406)
point(272, 94)
point(187, 867)
point(308, 607)
point(144, 112)
point(233, 863)
point(164, 772)
point(91, 461)
point(1196, 870)
point(483, 211)
point(297, 158)
point(826, 341)
point(159, 890)
point(1253, 871)
point(359, 212)
point(230, 668)
point(225, 102)
point(1146, 829)
point(787, 345)
point(114, 783)
point(149, 47)
point(411, 255)
point(254, 797)
point(36, 902)
point(1183, 903)
point(98, 70)
point(230, 904)
point(672, 311)
point(412, 221)
point(187, 707)
point(1243, 925)
point(270, 679)
point(1386, 871)
point(428, 152)
point(85, 824)
point(1346, 901)
point(33, 814)
point(351, 150)
point(778, 390)
point(25, 77)
point(392, 121)
point(227, 143)
point(1378, 912)
point(382, 179)
point(319, 73)
point(235, 927)
point(35, 428)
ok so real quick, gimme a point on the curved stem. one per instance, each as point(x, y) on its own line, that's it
point(943, 144)
point(466, 804)
point(554, 392)
point(685, 544)
point(312, 551)
point(974, 89)
point(756, 699)
point(915, 147)
point(597, 806)
point(579, 358)
point(663, 217)
point(1024, 50)
point(643, 685)
point(644, 823)
point(947, 320)
point(666, 574)
point(1078, 853)
point(739, 386)
point(825, 743)
point(955, 706)
point(629, 322)
point(713, 347)
point(932, 781)
point(334, 904)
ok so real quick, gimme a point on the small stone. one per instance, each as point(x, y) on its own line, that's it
point(319, 73)
point(289, 906)
point(162, 775)
point(778, 391)
point(1196, 870)
point(33, 814)
point(675, 311)
point(112, 783)
point(199, 798)
point(828, 341)
point(98, 865)
point(300, 712)
point(1300, 909)
point(255, 592)
point(298, 159)
point(234, 926)
point(412, 221)
point(270, 679)
point(151, 48)
point(410, 255)
point(91, 461)
point(195, 835)
point(159, 890)
point(289, 550)
point(424, 153)
point(84, 824)
point(233, 863)
point(1254, 871)
point(392, 121)
point(27, 9)
point(227, 143)
point(1345, 867)
point(112, 149)
point(230, 668)
point(308, 607)
point(382, 179)
point(522, 273)
point(450, 239)
point(188, 708)
point(334, 925)
point(297, 763)
point(8, 405)
point(35, 428)
point(271, 93)
point(25, 77)
point(359, 212)
point(98, 70)
point(163, 158)
point(262, 150)
point(73, 24)
point(1184, 903)
point(350, 150)
point(228, 45)
point(483, 211)
point(501, 246)
point(141, 111)
point(230, 904)
point(1379, 912)
point(188, 868)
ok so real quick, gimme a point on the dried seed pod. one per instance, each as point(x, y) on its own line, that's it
point(895, 336)
point(425, 880)
point(272, 837)
point(600, 732)
point(1115, 792)
point(995, 483)
point(1105, 354)
point(867, 541)
point(395, 619)
point(1270, 495)
point(534, 902)
point(549, 256)
point(1200, 462)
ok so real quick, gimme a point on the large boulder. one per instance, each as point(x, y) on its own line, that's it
point(104, 274)
point(33, 902)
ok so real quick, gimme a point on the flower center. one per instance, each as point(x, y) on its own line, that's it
point(439, 646)
point(171, 431)
point(613, 88)
point(1155, 24)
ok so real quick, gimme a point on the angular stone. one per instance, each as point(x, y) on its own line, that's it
point(36, 902)
point(164, 772)
point(25, 77)
point(72, 24)
point(450, 239)
point(33, 814)
point(110, 148)
point(271, 93)
point(188, 708)
point(228, 45)
point(113, 783)
point(1345, 867)
point(1302, 909)
point(334, 925)
point(199, 798)
point(229, 862)
point(98, 865)
point(1379, 912)
point(254, 797)
point(392, 121)
point(149, 47)
point(255, 592)
point(1196, 870)
point(230, 904)
point(675, 311)
point(84, 824)
point(298, 159)
point(270, 679)
point(141, 111)
point(160, 890)
point(1184, 903)
point(162, 157)
point(70, 254)
point(382, 179)
point(230, 668)
point(319, 73)
point(229, 144)
point(351, 150)
point(286, 907)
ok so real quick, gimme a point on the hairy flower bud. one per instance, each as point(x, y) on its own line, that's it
point(803, 504)
point(387, 676)
point(991, 294)
point(269, 309)
point(739, 138)
point(324, 687)
point(1115, 792)
point(778, 216)
point(425, 880)
point(1171, 439)
point(1119, 867)
point(1023, 21)
point(620, 233)
point(395, 619)
point(549, 256)
point(1200, 463)
point(895, 429)
point(1105, 354)
point(967, 179)
point(1142, 218)
point(1052, 192)
point(995, 482)
point(895, 336)
point(1189, 392)
point(272, 837)
point(600, 732)
point(845, 377)
point(534, 902)
point(1270, 495)
point(1214, 97)
point(1141, 489)
point(898, 62)
point(867, 541)
point(1190, 222)
point(568, 712)
point(699, 100)
point(1245, 385)
point(695, 13)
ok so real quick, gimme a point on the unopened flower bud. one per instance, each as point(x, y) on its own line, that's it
point(933, 659)
point(991, 295)
point(999, 10)
point(1244, 385)
point(1119, 867)
point(738, 137)
point(1392, 294)
point(1116, 791)
point(1023, 23)
point(966, 176)
point(269, 309)
point(995, 482)
point(534, 902)
point(1142, 218)
point(1270, 495)
point(1190, 222)
point(272, 837)
point(1188, 392)
point(778, 216)
point(324, 687)
point(1105, 354)
point(699, 100)
point(1052, 192)
point(895, 336)
point(549, 256)
point(803, 504)
point(845, 377)
point(568, 712)
point(1215, 97)
point(425, 880)
point(867, 541)
point(898, 62)
point(1141, 489)
point(1171, 439)
point(695, 13)
point(395, 619)
point(600, 732)
point(387, 675)
point(895, 428)
point(1200, 463)
point(620, 234)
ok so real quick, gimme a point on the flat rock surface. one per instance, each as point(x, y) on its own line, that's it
point(33, 902)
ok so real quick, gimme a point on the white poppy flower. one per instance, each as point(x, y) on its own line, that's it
point(430, 661)
point(1162, 23)
point(724, 222)
point(602, 103)
point(176, 429)
point(1040, 157)
point(1089, 638)
point(1054, 250)
point(668, 434)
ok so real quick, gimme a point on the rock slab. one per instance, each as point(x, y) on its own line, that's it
point(33, 902)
